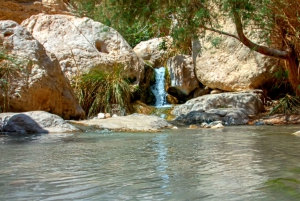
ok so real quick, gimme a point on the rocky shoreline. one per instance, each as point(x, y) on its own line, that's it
point(40, 122)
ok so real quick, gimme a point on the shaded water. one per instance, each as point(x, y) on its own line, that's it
point(235, 163)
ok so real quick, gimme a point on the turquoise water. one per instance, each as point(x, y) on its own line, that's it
point(235, 163)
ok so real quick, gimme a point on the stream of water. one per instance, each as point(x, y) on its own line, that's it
point(234, 163)
point(158, 89)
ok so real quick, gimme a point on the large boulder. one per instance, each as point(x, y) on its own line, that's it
point(249, 101)
point(81, 44)
point(34, 122)
point(134, 122)
point(154, 51)
point(182, 75)
point(231, 108)
point(226, 64)
point(37, 82)
point(227, 116)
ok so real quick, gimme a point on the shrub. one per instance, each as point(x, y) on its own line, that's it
point(101, 90)
point(10, 66)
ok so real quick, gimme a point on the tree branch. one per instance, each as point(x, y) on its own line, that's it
point(258, 48)
point(220, 32)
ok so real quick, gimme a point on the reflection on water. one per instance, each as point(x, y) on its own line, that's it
point(162, 151)
point(235, 163)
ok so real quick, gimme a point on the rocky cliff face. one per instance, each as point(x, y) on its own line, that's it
point(81, 44)
point(39, 84)
point(226, 64)
point(19, 10)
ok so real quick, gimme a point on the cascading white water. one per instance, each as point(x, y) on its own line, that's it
point(158, 89)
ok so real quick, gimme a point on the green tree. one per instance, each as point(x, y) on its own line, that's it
point(275, 22)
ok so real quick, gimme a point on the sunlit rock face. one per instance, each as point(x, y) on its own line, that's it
point(224, 63)
point(81, 44)
point(39, 83)
point(19, 10)
point(153, 52)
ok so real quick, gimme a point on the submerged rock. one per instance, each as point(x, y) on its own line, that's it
point(134, 122)
point(34, 122)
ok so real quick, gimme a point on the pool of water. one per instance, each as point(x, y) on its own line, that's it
point(235, 163)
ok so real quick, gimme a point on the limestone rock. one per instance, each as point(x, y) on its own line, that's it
point(81, 44)
point(134, 122)
point(219, 125)
point(101, 116)
point(34, 122)
point(181, 70)
point(249, 101)
point(229, 108)
point(231, 66)
point(234, 116)
point(40, 83)
point(150, 51)
point(19, 10)
point(55, 6)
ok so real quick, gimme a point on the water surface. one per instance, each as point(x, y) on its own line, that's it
point(235, 163)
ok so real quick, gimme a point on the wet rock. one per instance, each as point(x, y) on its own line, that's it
point(219, 125)
point(134, 122)
point(229, 108)
point(193, 126)
point(249, 101)
point(34, 122)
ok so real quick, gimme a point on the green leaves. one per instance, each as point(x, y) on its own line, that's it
point(99, 90)
point(287, 105)
point(10, 67)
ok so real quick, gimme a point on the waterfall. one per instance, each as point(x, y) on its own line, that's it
point(158, 89)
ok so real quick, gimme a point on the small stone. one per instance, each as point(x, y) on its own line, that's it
point(216, 91)
point(101, 116)
point(193, 126)
point(114, 115)
point(218, 126)
point(214, 123)
point(175, 127)
point(297, 133)
point(107, 115)
point(204, 125)
point(259, 123)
